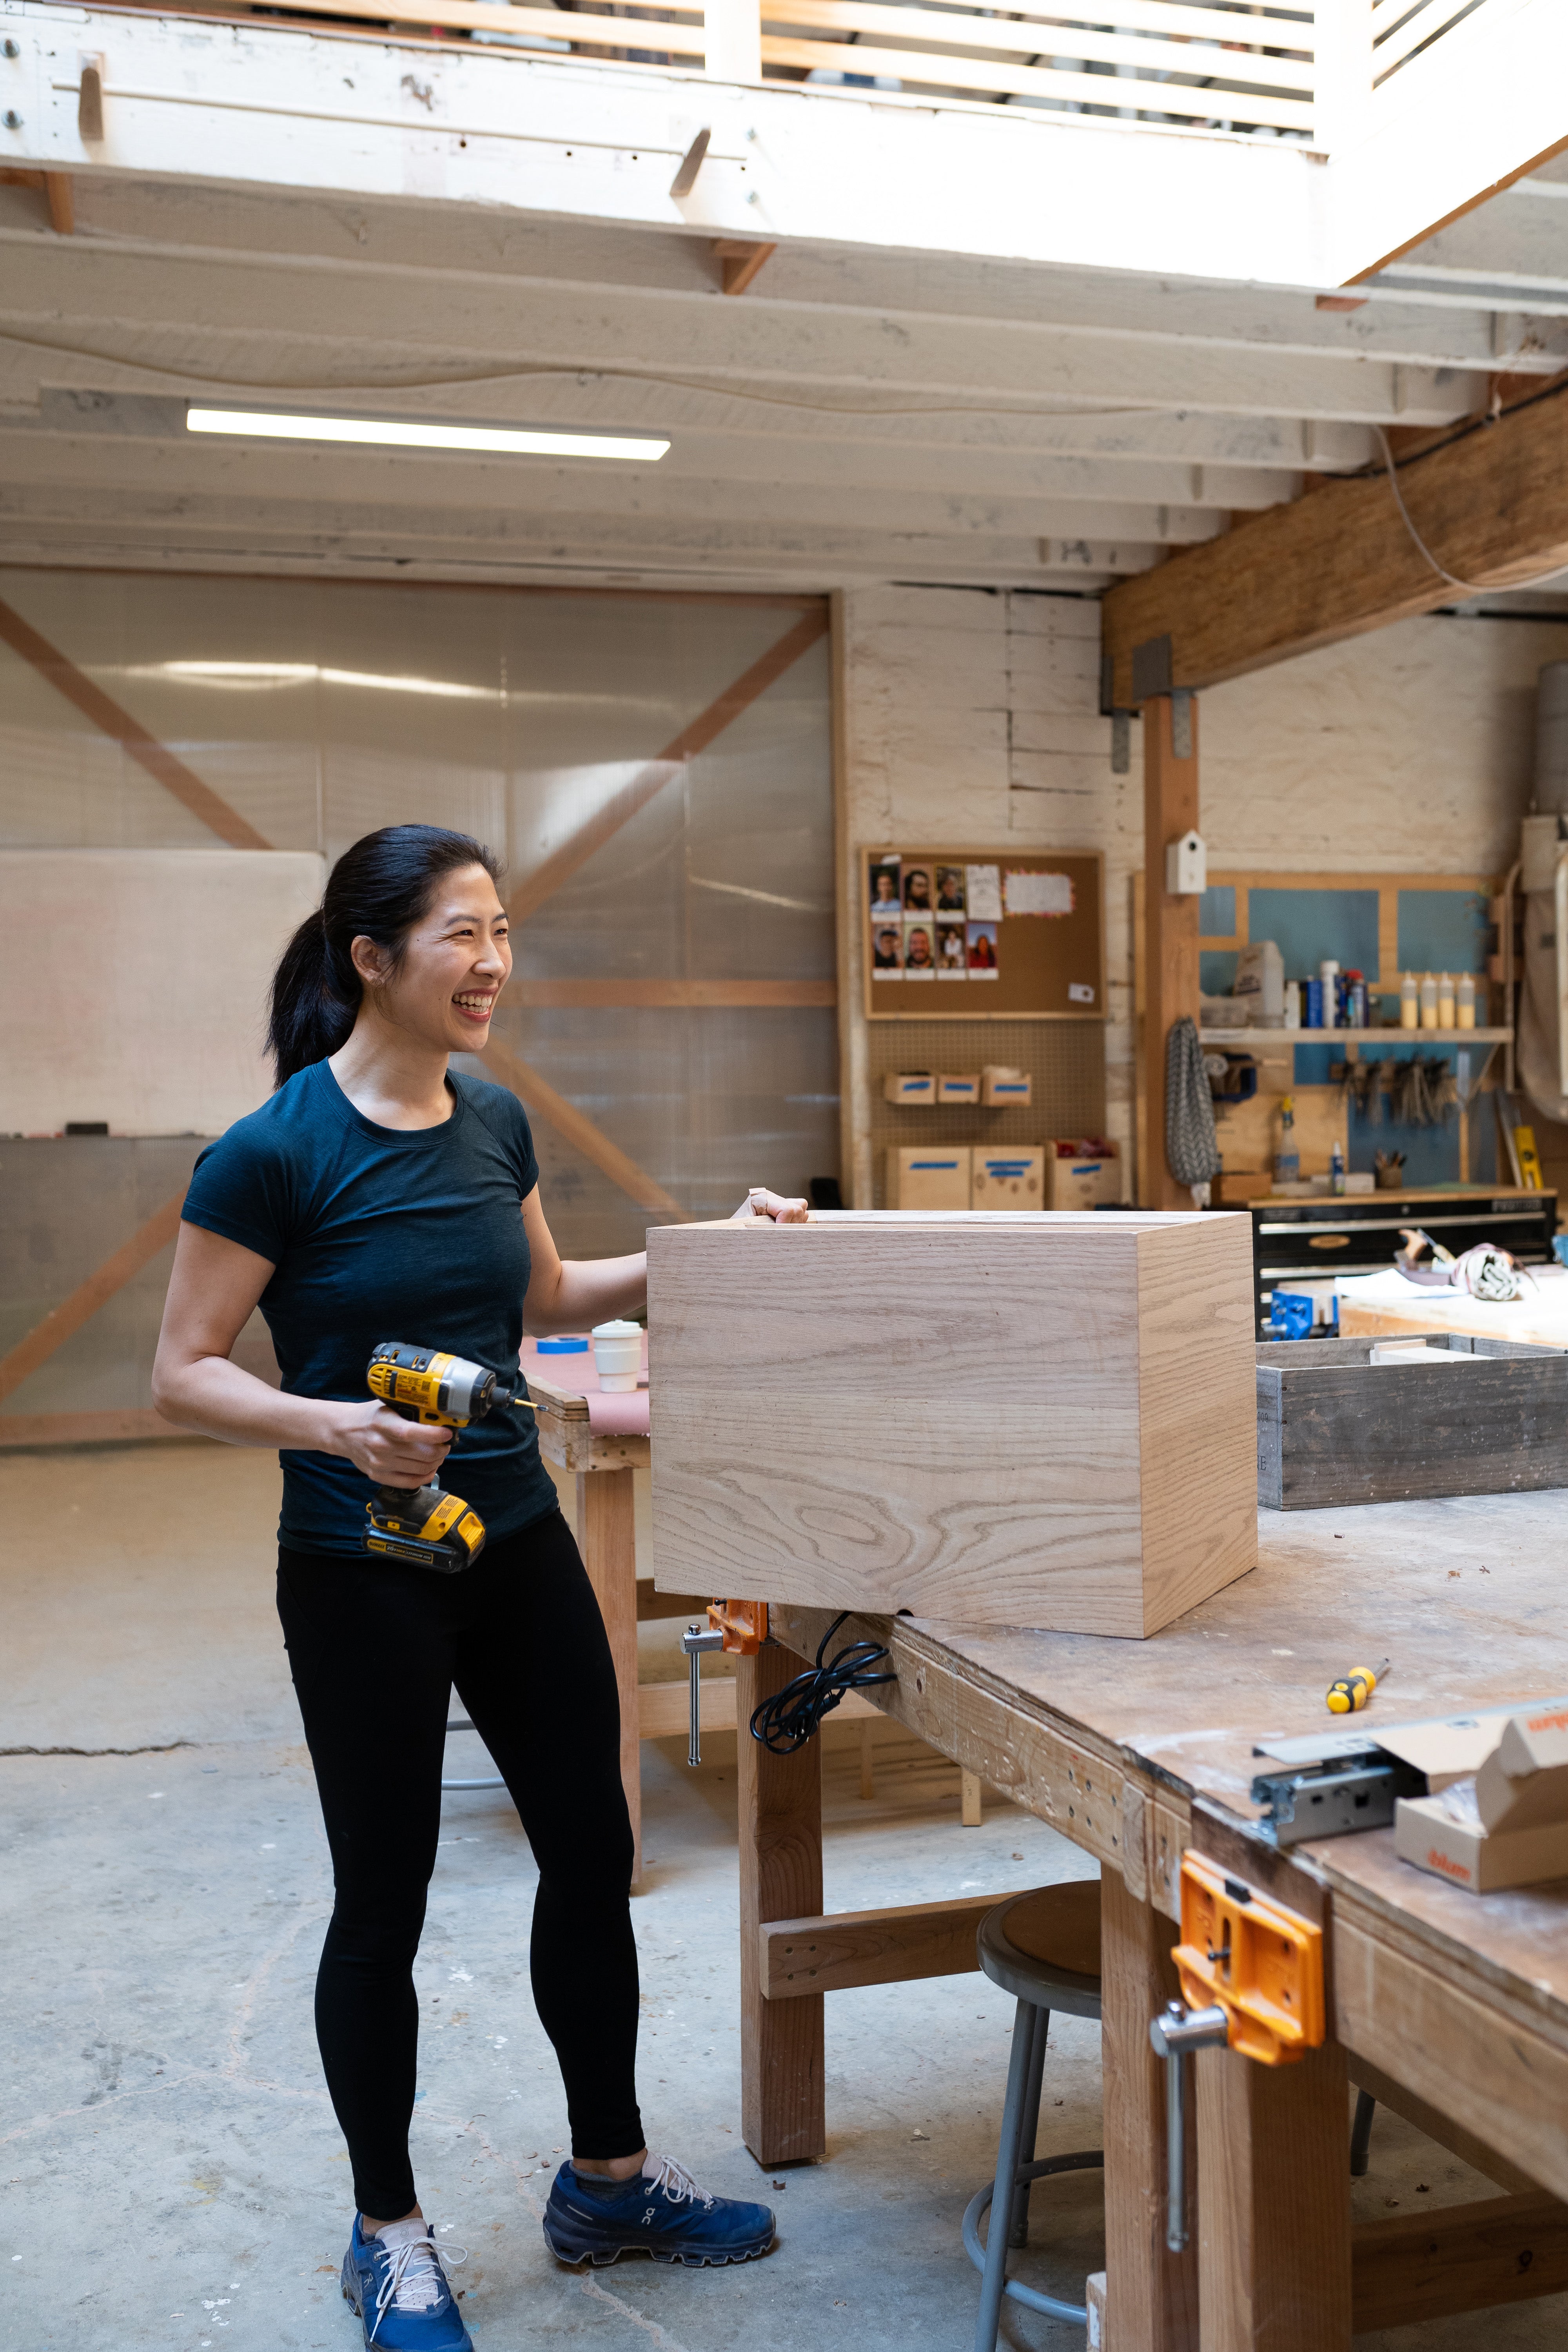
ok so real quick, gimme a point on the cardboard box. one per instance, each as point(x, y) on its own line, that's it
point(1008, 1179)
point(909, 1087)
point(929, 1176)
point(958, 1089)
point(998, 1420)
point(1002, 1088)
point(1081, 1182)
point(1469, 1856)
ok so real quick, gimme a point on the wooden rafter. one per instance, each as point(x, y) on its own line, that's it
point(740, 259)
point(1491, 504)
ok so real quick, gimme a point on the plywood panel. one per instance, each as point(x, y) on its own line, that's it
point(1043, 1420)
point(170, 955)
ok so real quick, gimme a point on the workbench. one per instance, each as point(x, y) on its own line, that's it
point(1540, 1315)
point(1450, 2008)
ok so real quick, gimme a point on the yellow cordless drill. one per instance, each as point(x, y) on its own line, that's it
point(422, 1524)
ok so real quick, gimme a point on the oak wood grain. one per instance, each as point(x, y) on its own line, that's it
point(890, 1945)
point(1044, 1422)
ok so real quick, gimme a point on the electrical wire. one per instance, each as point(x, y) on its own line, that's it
point(793, 1714)
point(1470, 586)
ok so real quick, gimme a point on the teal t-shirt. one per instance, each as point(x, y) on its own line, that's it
point(378, 1233)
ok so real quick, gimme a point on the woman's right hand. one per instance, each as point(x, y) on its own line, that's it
point(391, 1452)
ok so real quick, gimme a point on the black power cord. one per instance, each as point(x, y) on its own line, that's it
point(793, 1714)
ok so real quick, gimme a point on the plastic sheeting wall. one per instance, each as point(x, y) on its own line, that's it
point(320, 711)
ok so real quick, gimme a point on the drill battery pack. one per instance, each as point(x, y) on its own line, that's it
point(426, 1527)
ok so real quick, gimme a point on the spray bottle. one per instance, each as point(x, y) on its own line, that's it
point(1287, 1159)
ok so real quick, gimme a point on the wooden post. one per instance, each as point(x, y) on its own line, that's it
point(1274, 2213)
point(606, 1530)
point(782, 2111)
point(1150, 2295)
point(1169, 930)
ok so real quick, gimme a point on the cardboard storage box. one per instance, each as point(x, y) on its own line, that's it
point(964, 1088)
point(1006, 1089)
point(929, 1176)
point(909, 1087)
point(1470, 1855)
point(1334, 1427)
point(997, 1420)
point(1082, 1182)
point(1008, 1179)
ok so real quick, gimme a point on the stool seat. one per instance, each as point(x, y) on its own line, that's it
point(1044, 1948)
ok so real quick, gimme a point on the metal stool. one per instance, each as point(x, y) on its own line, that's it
point(490, 1781)
point(1043, 1948)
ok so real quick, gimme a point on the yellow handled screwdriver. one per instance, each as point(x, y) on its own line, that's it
point(1352, 1691)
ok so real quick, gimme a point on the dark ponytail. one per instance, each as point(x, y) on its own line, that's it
point(377, 890)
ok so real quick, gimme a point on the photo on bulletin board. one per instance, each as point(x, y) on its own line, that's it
point(1013, 933)
point(886, 885)
point(887, 950)
point(981, 941)
point(919, 950)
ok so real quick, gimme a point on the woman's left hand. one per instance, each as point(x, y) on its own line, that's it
point(760, 1205)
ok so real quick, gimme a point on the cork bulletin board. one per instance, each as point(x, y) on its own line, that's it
point(962, 934)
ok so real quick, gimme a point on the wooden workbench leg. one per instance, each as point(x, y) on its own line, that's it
point(1274, 2211)
point(782, 2112)
point(1150, 2295)
point(607, 1518)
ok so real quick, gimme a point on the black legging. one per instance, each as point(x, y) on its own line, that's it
point(374, 1648)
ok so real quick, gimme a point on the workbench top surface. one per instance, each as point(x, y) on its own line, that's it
point(1466, 1597)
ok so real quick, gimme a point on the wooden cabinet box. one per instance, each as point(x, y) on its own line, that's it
point(1030, 1420)
point(1334, 1427)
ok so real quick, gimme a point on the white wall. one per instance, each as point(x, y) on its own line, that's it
point(135, 983)
point(974, 717)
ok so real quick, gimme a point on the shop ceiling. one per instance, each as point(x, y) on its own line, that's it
point(871, 406)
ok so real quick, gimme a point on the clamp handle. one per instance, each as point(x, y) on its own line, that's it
point(1174, 2033)
point(694, 1641)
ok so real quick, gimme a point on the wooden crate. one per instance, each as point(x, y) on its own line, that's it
point(1038, 1420)
point(1333, 1427)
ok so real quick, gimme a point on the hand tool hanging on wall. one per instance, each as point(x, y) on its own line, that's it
point(423, 1524)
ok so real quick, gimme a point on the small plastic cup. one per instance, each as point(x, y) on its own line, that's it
point(617, 1355)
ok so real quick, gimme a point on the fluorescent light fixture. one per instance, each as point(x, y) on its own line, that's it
point(391, 433)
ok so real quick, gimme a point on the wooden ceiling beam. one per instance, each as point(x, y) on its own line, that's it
point(1492, 505)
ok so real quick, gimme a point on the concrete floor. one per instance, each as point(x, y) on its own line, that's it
point(175, 2178)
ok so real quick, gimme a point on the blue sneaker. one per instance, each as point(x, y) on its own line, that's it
point(661, 2211)
point(397, 2283)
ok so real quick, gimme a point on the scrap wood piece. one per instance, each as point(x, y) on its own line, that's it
point(575, 1126)
point(103, 712)
point(622, 806)
point(62, 1322)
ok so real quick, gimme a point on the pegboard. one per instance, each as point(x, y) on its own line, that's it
point(1066, 1060)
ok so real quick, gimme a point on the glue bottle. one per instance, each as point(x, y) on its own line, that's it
point(1465, 1001)
point(1429, 1001)
point(1287, 1159)
point(1446, 1002)
point(1409, 1002)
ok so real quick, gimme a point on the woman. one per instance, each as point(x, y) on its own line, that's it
point(378, 1196)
